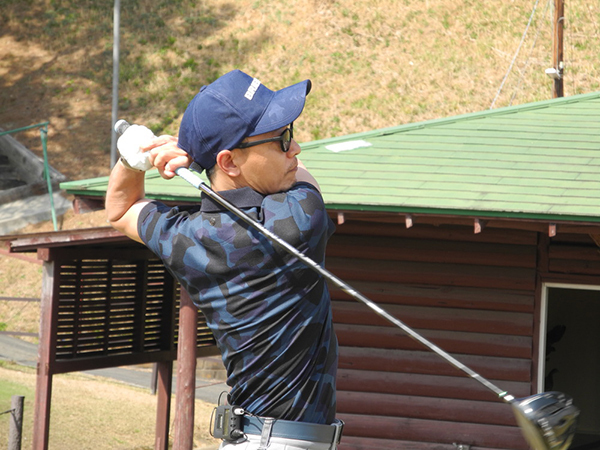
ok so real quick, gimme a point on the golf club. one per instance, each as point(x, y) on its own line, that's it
point(547, 420)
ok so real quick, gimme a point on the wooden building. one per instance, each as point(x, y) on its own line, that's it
point(481, 232)
point(108, 301)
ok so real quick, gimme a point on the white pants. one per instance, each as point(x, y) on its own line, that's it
point(275, 443)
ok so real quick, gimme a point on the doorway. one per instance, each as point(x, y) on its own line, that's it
point(570, 342)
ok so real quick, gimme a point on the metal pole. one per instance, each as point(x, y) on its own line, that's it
point(15, 428)
point(557, 54)
point(16, 130)
point(44, 137)
point(115, 90)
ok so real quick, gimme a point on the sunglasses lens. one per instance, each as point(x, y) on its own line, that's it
point(286, 139)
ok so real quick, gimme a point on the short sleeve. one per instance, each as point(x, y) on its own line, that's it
point(158, 223)
point(299, 216)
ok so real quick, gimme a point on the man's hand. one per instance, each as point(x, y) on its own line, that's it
point(166, 156)
point(125, 193)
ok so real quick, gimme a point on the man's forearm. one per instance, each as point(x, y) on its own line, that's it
point(125, 194)
point(125, 188)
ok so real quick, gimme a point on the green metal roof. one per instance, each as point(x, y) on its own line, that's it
point(535, 161)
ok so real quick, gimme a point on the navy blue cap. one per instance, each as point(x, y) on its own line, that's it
point(232, 108)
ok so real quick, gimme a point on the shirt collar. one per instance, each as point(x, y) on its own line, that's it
point(242, 198)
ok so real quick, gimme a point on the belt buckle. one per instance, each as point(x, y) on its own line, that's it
point(339, 428)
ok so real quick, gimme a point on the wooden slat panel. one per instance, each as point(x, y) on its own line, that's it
point(406, 361)
point(438, 318)
point(90, 362)
point(431, 250)
point(425, 273)
point(451, 341)
point(441, 296)
point(434, 431)
point(456, 386)
point(117, 307)
point(454, 410)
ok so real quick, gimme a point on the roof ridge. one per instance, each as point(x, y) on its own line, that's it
point(446, 120)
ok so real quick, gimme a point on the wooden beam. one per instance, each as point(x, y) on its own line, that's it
point(420, 407)
point(441, 386)
point(536, 225)
point(46, 355)
point(185, 391)
point(423, 430)
point(82, 205)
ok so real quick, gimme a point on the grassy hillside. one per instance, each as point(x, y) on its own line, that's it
point(374, 63)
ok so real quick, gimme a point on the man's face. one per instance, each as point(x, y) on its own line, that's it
point(265, 167)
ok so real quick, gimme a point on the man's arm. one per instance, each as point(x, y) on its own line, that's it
point(125, 193)
point(125, 199)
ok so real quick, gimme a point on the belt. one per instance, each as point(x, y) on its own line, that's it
point(289, 429)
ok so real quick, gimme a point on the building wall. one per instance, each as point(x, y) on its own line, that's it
point(473, 295)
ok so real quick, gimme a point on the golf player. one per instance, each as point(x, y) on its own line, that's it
point(269, 313)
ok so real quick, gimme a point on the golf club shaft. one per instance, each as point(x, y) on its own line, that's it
point(195, 181)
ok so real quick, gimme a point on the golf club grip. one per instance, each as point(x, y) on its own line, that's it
point(195, 181)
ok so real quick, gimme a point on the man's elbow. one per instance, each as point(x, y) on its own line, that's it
point(112, 214)
point(124, 219)
point(114, 221)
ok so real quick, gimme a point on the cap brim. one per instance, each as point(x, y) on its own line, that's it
point(285, 107)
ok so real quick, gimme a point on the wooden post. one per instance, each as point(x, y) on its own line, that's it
point(185, 391)
point(46, 356)
point(15, 429)
point(559, 22)
point(164, 370)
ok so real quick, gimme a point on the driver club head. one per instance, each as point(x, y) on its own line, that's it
point(547, 420)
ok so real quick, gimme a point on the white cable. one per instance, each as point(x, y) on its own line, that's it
point(529, 56)
point(516, 54)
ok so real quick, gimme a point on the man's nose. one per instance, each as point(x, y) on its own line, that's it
point(294, 149)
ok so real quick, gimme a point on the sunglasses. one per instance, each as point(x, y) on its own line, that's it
point(284, 138)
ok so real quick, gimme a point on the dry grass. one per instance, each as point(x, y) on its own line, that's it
point(374, 64)
point(91, 413)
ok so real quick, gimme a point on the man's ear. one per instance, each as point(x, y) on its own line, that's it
point(227, 163)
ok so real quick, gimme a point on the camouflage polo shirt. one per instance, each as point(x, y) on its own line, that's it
point(269, 313)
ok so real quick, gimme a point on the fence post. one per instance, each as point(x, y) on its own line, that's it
point(16, 423)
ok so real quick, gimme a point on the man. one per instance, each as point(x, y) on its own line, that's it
point(269, 313)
